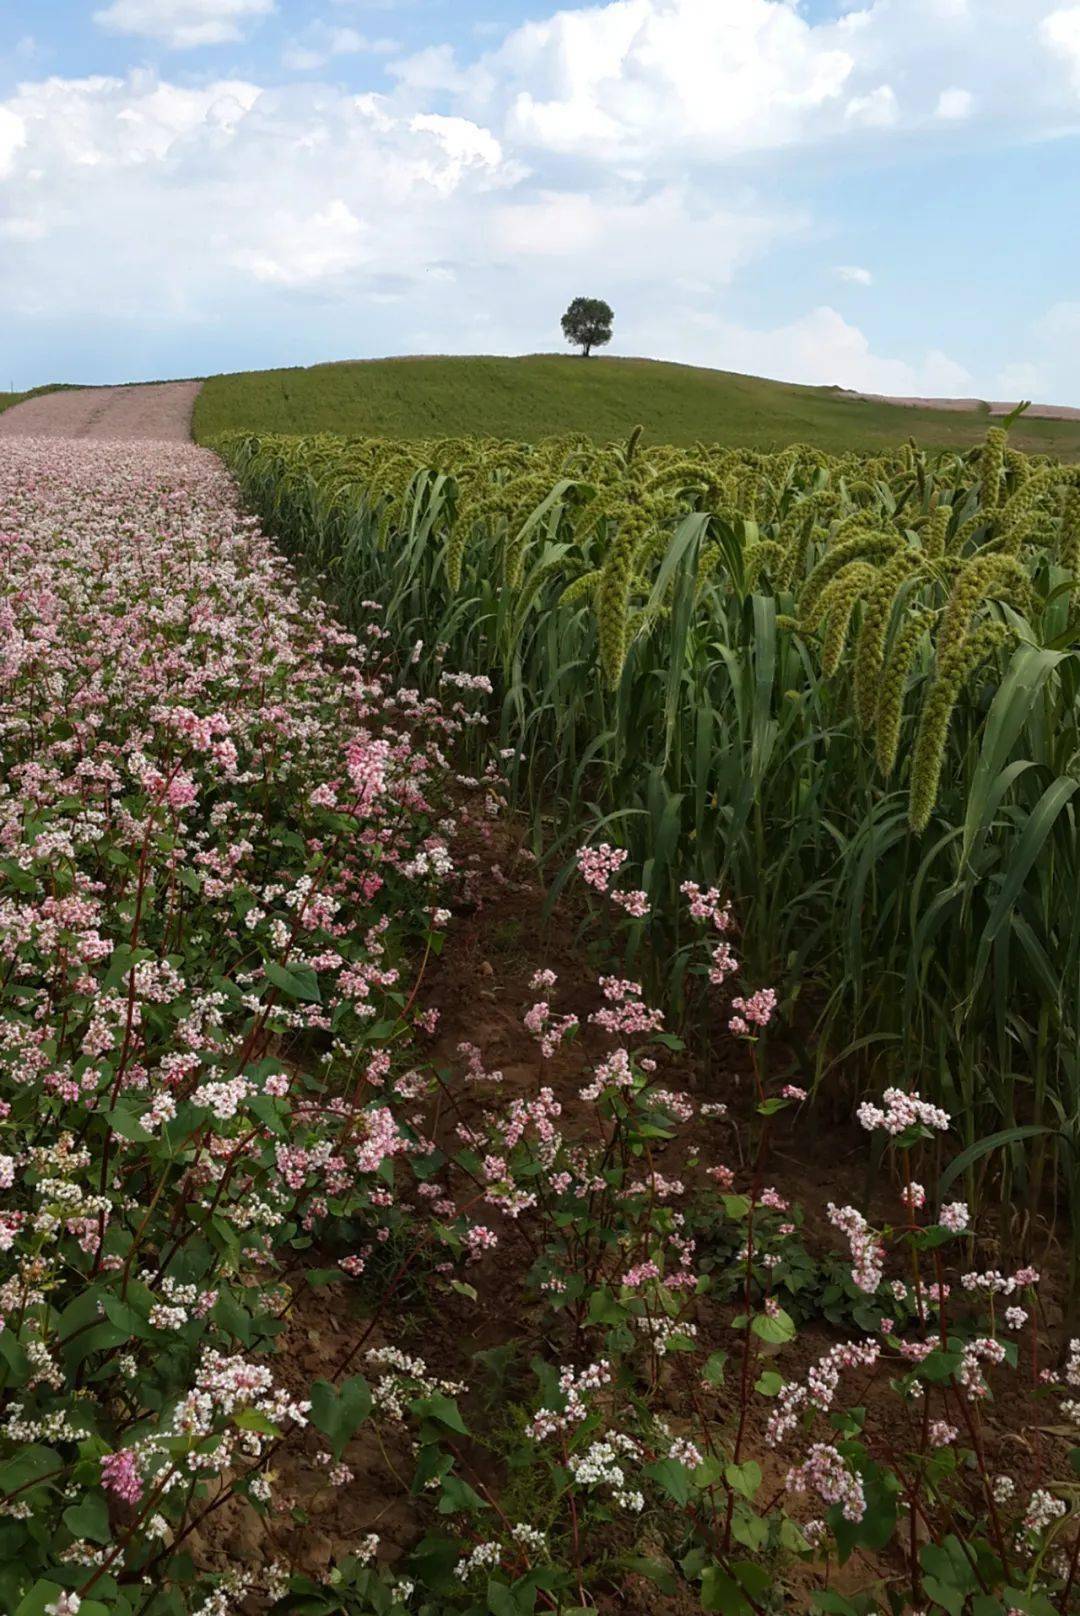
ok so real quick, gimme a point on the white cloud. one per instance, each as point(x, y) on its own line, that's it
point(954, 105)
point(298, 250)
point(184, 198)
point(1060, 32)
point(1022, 380)
point(823, 348)
point(877, 110)
point(633, 81)
point(182, 24)
point(635, 241)
point(855, 274)
point(321, 43)
point(12, 136)
point(623, 76)
point(1048, 373)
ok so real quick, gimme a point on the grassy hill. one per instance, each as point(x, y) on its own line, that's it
point(545, 394)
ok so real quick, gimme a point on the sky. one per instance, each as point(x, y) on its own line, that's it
point(879, 194)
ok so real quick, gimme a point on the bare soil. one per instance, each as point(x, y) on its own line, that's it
point(1040, 412)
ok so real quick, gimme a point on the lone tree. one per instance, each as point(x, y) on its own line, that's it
point(587, 324)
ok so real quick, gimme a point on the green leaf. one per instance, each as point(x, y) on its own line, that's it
point(673, 1477)
point(983, 1147)
point(457, 1496)
point(714, 1368)
point(296, 982)
point(233, 1318)
point(604, 1309)
point(744, 1479)
point(89, 1518)
point(501, 1600)
point(43, 1594)
point(722, 1593)
point(773, 1328)
point(339, 1413)
point(1019, 1598)
point(15, 1357)
point(250, 1419)
point(125, 1318)
point(29, 1464)
point(442, 1409)
point(123, 1120)
point(654, 1570)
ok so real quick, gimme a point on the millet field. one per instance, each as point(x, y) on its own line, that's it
point(539, 1015)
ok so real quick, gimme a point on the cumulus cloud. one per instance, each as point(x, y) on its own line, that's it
point(1060, 32)
point(821, 348)
point(855, 274)
point(298, 249)
point(876, 110)
point(954, 104)
point(1052, 347)
point(186, 195)
point(631, 80)
point(12, 136)
point(182, 24)
point(321, 43)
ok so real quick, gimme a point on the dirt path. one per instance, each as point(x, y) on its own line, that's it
point(159, 411)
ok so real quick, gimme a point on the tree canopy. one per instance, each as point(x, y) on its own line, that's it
point(587, 323)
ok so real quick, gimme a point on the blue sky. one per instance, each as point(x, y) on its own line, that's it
point(877, 193)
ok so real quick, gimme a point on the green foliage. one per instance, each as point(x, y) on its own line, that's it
point(587, 323)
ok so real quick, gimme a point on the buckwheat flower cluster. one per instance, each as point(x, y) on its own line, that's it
point(901, 1111)
point(610, 1075)
point(955, 1217)
point(625, 1015)
point(575, 1387)
point(483, 1557)
point(819, 1390)
point(970, 1374)
point(707, 905)
point(824, 1471)
point(401, 1379)
point(602, 1464)
point(1042, 1509)
point(756, 1011)
point(599, 866)
point(120, 1475)
point(547, 1028)
point(867, 1254)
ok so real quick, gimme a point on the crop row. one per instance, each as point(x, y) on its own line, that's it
point(844, 689)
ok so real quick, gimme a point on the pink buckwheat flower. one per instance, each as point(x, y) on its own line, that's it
point(120, 1475)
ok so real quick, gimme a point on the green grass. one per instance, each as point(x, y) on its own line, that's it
point(551, 394)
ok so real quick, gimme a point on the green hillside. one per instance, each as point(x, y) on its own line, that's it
point(547, 394)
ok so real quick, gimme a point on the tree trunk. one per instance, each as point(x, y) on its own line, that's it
point(585, 350)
